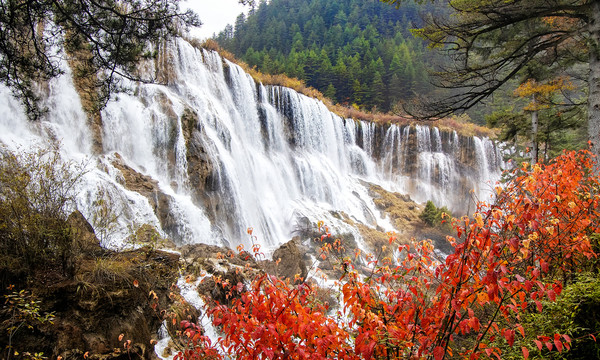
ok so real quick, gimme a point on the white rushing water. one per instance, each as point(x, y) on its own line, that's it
point(273, 157)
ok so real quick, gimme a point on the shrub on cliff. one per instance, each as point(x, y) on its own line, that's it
point(434, 216)
point(36, 195)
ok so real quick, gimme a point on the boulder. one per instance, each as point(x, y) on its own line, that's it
point(82, 233)
point(288, 261)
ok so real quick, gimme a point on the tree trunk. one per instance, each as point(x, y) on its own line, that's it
point(547, 142)
point(534, 133)
point(594, 78)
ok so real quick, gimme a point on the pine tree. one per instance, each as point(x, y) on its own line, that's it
point(115, 35)
point(330, 92)
point(480, 36)
point(377, 96)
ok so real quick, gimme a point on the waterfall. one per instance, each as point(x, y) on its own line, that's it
point(213, 153)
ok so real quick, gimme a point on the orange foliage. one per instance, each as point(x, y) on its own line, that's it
point(542, 92)
point(275, 321)
point(508, 257)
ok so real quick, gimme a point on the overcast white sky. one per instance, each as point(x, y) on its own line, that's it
point(214, 14)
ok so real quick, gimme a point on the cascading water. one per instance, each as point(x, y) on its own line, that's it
point(440, 166)
point(215, 153)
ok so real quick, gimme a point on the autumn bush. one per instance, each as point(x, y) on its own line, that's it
point(511, 261)
point(36, 196)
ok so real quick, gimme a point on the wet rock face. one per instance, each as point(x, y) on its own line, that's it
point(166, 148)
point(207, 190)
point(95, 121)
point(200, 175)
point(134, 180)
point(200, 167)
point(85, 80)
point(148, 187)
point(165, 65)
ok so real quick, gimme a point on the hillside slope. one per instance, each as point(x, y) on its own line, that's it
point(355, 52)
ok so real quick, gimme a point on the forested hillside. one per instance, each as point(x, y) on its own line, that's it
point(355, 52)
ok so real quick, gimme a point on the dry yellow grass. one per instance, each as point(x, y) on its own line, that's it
point(464, 127)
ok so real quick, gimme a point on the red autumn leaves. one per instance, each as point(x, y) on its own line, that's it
point(508, 257)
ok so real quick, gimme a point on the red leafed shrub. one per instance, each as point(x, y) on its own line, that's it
point(508, 257)
point(274, 321)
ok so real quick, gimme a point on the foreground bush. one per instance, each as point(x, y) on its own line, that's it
point(510, 259)
point(36, 197)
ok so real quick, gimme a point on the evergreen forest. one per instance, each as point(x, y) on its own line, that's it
point(355, 52)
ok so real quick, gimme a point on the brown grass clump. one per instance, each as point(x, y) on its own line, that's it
point(376, 239)
point(376, 117)
point(400, 208)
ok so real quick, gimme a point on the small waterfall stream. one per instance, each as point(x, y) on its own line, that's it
point(225, 153)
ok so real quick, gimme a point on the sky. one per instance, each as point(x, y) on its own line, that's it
point(214, 14)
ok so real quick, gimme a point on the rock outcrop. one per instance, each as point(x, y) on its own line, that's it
point(200, 167)
point(82, 233)
point(104, 296)
point(148, 187)
point(289, 261)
